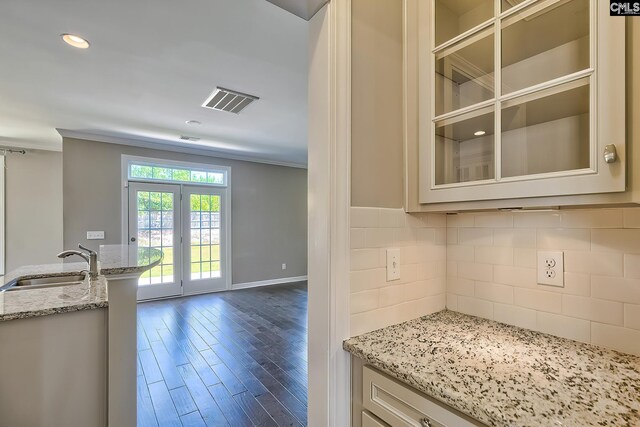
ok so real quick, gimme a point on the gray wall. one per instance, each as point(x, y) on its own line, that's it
point(268, 206)
point(376, 127)
point(33, 208)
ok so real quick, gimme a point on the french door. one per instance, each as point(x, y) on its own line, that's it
point(189, 225)
point(154, 222)
point(204, 239)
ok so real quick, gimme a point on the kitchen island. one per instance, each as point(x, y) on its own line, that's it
point(68, 353)
point(502, 375)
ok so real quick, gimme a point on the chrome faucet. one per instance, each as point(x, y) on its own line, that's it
point(90, 257)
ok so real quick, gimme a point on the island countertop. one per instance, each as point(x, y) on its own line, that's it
point(114, 260)
point(503, 375)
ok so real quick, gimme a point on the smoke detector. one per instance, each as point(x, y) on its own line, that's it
point(228, 100)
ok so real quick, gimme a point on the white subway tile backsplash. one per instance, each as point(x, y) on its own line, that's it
point(363, 259)
point(618, 338)
point(577, 239)
point(632, 266)
point(515, 276)
point(563, 326)
point(513, 315)
point(365, 218)
point(602, 263)
point(475, 307)
point(615, 289)
point(493, 220)
point(475, 271)
point(593, 309)
point(460, 253)
point(592, 218)
point(421, 289)
point(632, 316)
point(364, 301)
point(538, 300)
point(460, 220)
point(494, 255)
point(494, 292)
point(475, 237)
point(537, 219)
point(484, 264)
point(525, 257)
point(617, 240)
point(357, 238)
point(515, 237)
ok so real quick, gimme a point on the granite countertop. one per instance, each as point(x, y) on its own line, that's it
point(114, 260)
point(503, 375)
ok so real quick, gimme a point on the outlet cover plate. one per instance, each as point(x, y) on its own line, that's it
point(95, 235)
point(393, 264)
point(550, 268)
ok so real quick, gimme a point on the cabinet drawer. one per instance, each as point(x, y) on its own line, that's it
point(371, 421)
point(400, 406)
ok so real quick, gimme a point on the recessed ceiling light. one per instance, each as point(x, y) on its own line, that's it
point(479, 133)
point(75, 41)
point(193, 122)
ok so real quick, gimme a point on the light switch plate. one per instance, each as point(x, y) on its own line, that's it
point(393, 264)
point(95, 235)
point(551, 268)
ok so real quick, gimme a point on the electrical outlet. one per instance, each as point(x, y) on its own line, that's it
point(393, 264)
point(95, 235)
point(551, 268)
point(284, 266)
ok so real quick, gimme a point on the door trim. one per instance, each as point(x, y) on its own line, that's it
point(124, 204)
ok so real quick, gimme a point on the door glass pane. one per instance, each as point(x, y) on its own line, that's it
point(538, 46)
point(464, 149)
point(155, 230)
point(454, 17)
point(547, 134)
point(464, 73)
point(204, 240)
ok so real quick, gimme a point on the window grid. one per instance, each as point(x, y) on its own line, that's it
point(150, 172)
point(204, 236)
point(155, 230)
point(496, 26)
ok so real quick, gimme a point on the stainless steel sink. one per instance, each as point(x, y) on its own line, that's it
point(49, 282)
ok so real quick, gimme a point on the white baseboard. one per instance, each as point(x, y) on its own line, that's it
point(270, 282)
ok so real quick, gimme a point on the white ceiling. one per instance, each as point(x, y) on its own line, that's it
point(150, 66)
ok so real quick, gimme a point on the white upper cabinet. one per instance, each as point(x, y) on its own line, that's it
point(515, 98)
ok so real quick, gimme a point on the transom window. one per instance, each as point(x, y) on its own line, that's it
point(156, 172)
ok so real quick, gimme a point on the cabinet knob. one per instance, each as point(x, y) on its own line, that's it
point(610, 153)
point(133, 239)
point(425, 422)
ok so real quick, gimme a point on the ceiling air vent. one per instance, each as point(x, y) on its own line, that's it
point(189, 138)
point(228, 100)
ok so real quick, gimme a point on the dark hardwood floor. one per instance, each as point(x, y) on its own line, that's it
point(227, 359)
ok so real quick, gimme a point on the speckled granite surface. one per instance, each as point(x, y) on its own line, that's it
point(114, 260)
point(503, 375)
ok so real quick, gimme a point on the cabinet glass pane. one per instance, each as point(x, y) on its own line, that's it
point(464, 149)
point(464, 73)
point(454, 17)
point(548, 134)
point(538, 46)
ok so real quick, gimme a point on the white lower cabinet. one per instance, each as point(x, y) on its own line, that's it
point(398, 405)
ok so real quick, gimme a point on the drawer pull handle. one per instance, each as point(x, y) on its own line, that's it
point(425, 422)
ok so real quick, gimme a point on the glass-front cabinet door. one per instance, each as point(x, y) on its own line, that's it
point(520, 98)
